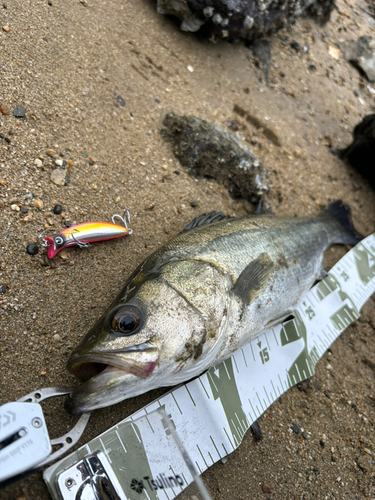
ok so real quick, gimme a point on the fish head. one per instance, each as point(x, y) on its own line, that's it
point(136, 346)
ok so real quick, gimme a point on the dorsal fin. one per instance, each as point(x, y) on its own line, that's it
point(205, 219)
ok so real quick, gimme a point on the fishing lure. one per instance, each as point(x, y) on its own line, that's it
point(88, 232)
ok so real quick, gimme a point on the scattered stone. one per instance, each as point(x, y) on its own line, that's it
point(297, 153)
point(50, 152)
point(28, 218)
point(38, 204)
point(296, 46)
point(59, 163)
point(58, 176)
point(4, 110)
point(38, 162)
point(295, 428)
point(209, 150)
point(6, 29)
point(19, 112)
point(24, 209)
point(57, 209)
point(334, 52)
point(67, 223)
point(32, 249)
point(63, 254)
point(3, 288)
point(15, 207)
point(362, 54)
point(57, 336)
point(120, 100)
point(190, 68)
point(256, 431)
point(194, 204)
point(266, 488)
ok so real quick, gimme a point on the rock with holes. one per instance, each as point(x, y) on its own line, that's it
point(210, 150)
point(242, 18)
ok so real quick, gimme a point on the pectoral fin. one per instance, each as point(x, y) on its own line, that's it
point(254, 279)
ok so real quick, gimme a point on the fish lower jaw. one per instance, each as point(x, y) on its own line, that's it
point(109, 387)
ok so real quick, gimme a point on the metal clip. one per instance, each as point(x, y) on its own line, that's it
point(24, 440)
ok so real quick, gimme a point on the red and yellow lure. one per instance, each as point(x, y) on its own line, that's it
point(86, 233)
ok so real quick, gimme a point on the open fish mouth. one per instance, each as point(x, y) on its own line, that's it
point(104, 373)
point(139, 360)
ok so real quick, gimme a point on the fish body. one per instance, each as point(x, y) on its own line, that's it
point(199, 298)
point(83, 234)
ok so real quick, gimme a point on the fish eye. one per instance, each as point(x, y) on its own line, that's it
point(126, 320)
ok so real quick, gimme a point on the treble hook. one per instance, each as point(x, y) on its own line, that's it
point(125, 219)
point(81, 244)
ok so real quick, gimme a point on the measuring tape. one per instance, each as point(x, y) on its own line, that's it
point(139, 459)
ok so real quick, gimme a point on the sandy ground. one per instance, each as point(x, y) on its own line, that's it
point(67, 63)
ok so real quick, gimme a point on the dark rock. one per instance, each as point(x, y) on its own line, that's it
point(32, 249)
point(320, 10)
point(361, 152)
point(296, 46)
point(3, 288)
point(24, 209)
point(295, 428)
point(120, 100)
point(210, 150)
point(247, 19)
point(67, 223)
point(19, 112)
point(312, 68)
point(256, 431)
point(194, 204)
point(57, 209)
point(362, 54)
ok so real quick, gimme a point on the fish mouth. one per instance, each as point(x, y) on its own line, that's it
point(106, 375)
point(139, 360)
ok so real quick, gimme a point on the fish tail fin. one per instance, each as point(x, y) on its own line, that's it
point(342, 213)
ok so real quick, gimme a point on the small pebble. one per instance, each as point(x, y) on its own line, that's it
point(3, 289)
point(57, 336)
point(256, 431)
point(295, 428)
point(177, 172)
point(50, 152)
point(32, 249)
point(24, 209)
point(120, 100)
point(59, 163)
point(297, 153)
point(4, 110)
point(19, 112)
point(67, 223)
point(57, 209)
point(266, 488)
point(38, 162)
point(6, 29)
point(61, 154)
point(296, 46)
point(15, 207)
point(63, 254)
point(190, 68)
point(58, 176)
point(194, 204)
point(38, 204)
